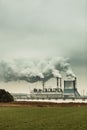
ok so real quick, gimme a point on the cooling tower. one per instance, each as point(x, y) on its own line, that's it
point(70, 89)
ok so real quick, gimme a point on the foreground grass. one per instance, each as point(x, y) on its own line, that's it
point(43, 118)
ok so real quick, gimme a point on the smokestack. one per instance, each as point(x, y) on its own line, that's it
point(60, 82)
point(57, 82)
point(75, 82)
point(43, 85)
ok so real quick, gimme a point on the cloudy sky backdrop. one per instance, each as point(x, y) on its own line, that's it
point(45, 28)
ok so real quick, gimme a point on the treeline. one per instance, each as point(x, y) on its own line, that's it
point(5, 96)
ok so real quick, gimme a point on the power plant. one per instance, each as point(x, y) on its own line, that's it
point(33, 71)
point(69, 91)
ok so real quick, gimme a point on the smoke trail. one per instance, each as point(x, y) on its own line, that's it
point(56, 73)
point(34, 70)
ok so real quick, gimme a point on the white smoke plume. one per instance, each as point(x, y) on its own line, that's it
point(34, 70)
point(56, 73)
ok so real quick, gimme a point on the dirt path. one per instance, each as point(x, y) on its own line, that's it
point(40, 104)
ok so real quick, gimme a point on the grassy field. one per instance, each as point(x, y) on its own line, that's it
point(43, 118)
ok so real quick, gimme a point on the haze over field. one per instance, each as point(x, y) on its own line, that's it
point(43, 29)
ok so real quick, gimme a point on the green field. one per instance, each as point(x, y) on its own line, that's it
point(43, 118)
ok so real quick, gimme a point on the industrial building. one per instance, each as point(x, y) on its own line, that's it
point(69, 91)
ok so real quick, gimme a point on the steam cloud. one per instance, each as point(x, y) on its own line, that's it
point(34, 70)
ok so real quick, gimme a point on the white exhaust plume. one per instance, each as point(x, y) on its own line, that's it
point(69, 73)
point(56, 73)
point(34, 70)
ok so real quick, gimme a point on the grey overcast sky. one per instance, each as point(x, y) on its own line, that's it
point(33, 28)
point(44, 28)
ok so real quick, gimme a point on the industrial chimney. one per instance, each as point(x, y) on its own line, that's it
point(57, 83)
point(60, 83)
point(43, 85)
point(75, 82)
